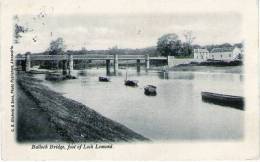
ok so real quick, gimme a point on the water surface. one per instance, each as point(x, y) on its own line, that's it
point(177, 112)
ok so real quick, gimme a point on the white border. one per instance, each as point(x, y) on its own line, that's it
point(182, 150)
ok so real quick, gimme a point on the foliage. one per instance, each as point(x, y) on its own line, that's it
point(57, 47)
point(169, 45)
point(19, 29)
point(113, 50)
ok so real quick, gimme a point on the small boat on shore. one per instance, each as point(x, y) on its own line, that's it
point(103, 79)
point(54, 76)
point(82, 73)
point(150, 90)
point(132, 83)
point(224, 100)
point(58, 76)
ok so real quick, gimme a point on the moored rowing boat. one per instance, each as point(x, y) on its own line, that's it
point(224, 100)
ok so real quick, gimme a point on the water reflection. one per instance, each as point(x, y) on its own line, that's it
point(177, 112)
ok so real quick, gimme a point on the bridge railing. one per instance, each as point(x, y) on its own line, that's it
point(49, 57)
point(93, 56)
point(19, 58)
point(131, 57)
point(81, 57)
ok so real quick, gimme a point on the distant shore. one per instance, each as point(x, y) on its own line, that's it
point(45, 115)
point(203, 68)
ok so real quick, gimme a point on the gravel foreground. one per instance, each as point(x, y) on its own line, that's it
point(45, 115)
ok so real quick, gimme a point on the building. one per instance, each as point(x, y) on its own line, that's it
point(225, 54)
point(201, 54)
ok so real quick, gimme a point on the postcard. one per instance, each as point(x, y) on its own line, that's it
point(129, 80)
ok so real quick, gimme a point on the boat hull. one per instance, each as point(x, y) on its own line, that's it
point(150, 90)
point(223, 100)
point(131, 83)
point(103, 79)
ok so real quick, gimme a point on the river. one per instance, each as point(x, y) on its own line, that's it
point(176, 113)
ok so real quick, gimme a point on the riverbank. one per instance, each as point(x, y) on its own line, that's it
point(201, 68)
point(45, 115)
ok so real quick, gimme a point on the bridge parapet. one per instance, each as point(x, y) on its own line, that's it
point(49, 57)
point(20, 58)
point(93, 57)
point(131, 57)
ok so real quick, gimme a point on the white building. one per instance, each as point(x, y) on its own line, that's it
point(200, 54)
point(225, 54)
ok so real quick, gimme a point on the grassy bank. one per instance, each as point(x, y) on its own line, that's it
point(49, 116)
point(222, 69)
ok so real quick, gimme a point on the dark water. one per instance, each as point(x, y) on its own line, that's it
point(177, 112)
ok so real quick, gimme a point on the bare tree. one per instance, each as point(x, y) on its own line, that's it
point(189, 36)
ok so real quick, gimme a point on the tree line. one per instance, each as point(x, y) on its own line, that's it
point(167, 45)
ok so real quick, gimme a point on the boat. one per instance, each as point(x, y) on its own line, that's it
point(103, 79)
point(224, 100)
point(150, 90)
point(132, 83)
point(55, 76)
point(82, 73)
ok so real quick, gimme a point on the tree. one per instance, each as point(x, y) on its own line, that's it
point(225, 45)
point(239, 45)
point(113, 50)
point(57, 47)
point(189, 38)
point(19, 29)
point(169, 44)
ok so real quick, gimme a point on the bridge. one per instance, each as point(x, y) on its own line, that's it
point(108, 58)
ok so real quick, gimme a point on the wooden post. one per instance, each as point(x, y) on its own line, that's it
point(108, 66)
point(28, 63)
point(23, 64)
point(147, 62)
point(138, 65)
point(70, 64)
point(64, 67)
point(115, 64)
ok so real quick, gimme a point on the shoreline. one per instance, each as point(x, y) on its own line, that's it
point(213, 69)
point(45, 115)
point(179, 68)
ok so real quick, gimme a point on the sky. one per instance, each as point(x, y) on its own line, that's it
point(97, 31)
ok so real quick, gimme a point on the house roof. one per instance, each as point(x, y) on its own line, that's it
point(226, 49)
point(200, 50)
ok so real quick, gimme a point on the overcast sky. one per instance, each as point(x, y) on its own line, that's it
point(124, 30)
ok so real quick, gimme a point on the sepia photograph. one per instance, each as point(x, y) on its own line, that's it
point(108, 80)
point(126, 78)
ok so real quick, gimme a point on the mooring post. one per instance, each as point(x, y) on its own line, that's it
point(115, 64)
point(108, 66)
point(70, 63)
point(147, 62)
point(138, 65)
point(28, 63)
point(64, 67)
point(23, 64)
